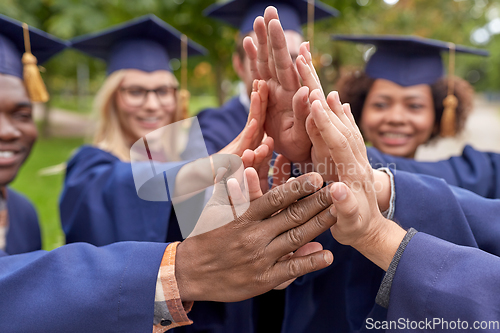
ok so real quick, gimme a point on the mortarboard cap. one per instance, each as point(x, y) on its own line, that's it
point(293, 13)
point(146, 43)
point(406, 60)
point(12, 47)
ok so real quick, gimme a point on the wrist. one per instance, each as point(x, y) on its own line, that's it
point(184, 275)
point(381, 242)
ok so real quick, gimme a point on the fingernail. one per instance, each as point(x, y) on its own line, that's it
point(308, 45)
point(347, 108)
point(254, 85)
point(336, 97)
point(333, 211)
point(328, 257)
point(314, 185)
point(305, 99)
point(252, 94)
point(338, 192)
point(320, 107)
point(309, 57)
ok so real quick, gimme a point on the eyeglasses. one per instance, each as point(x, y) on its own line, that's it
point(137, 96)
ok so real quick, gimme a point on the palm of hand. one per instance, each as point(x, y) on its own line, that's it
point(280, 122)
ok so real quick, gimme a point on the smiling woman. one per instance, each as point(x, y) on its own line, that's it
point(139, 96)
point(137, 111)
point(397, 119)
point(133, 103)
point(398, 100)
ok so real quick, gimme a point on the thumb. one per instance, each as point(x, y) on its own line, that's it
point(345, 205)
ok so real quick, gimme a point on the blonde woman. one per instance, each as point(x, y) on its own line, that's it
point(99, 203)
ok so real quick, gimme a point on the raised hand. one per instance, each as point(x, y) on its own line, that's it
point(244, 258)
point(253, 133)
point(359, 220)
point(312, 91)
point(320, 154)
point(271, 61)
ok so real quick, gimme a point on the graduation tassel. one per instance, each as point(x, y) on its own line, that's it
point(310, 23)
point(31, 74)
point(184, 93)
point(450, 103)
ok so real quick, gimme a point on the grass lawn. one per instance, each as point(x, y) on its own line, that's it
point(44, 190)
point(198, 103)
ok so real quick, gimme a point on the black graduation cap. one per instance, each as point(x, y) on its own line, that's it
point(146, 43)
point(12, 46)
point(293, 13)
point(407, 60)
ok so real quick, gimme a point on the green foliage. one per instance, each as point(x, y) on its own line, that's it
point(443, 20)
point(439, 19)
point(44, 190)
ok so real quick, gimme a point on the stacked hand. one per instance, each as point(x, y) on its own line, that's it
point(250, 254)
point(359, 220)
point(309, 126)
point(270, 60)
point(251, 145)
point(306, 126)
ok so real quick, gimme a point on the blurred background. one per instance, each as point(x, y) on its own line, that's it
point(73, 78)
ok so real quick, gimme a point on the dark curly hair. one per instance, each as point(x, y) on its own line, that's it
point(353, 88)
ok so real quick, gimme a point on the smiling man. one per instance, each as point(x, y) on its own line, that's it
point(19, 230)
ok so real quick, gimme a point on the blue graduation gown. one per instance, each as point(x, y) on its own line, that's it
point(475, 171)
point(437, 279)
point(24, 232)
point(99, 205)
point(222, 125)
point(80, 288)
point(341, 297)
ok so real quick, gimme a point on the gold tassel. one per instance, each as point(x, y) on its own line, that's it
point(448, 119)
point(184, 93)
point(450, 103)
point(31, 74)
point(184, 102)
